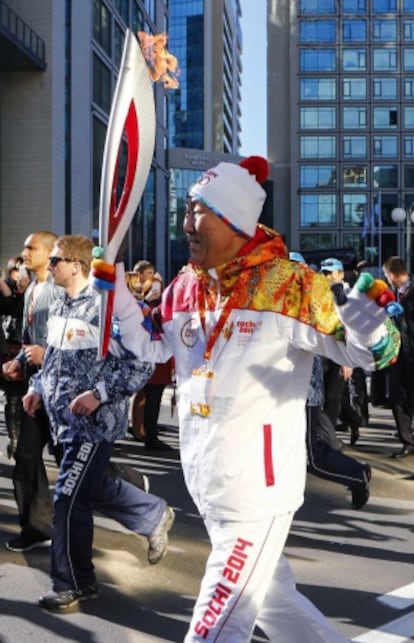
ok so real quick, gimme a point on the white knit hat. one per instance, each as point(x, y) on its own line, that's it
point(234, 193)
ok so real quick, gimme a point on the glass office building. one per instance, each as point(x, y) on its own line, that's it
point(348, 78)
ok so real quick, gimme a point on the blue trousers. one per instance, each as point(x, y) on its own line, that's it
point(82, 486)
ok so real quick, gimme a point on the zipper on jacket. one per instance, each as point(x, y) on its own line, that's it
point(268, 459)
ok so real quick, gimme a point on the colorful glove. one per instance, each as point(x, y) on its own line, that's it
point(365, 309)
point(102, 275)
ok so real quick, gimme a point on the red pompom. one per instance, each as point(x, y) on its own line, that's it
point(385, 298)
point(258, 166)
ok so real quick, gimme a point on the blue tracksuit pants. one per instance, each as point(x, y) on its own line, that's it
point(81, 487)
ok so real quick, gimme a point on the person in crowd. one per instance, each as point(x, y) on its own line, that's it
point(244, 323)
point(401, 374)
point(325, 457)
point(87, 402)
point(147, 285)
point(337, 377)
point(31, 487)
point(11, 310)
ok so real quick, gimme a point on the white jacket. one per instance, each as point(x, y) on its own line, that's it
point(242, 429)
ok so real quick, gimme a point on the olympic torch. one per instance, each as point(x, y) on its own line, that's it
point(131, 123)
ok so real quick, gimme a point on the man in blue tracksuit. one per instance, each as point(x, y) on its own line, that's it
point(87, 402)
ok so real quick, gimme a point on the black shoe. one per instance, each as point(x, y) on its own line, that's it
point(354, 434)
point(403, 453)
point(67, 600)
point(158, 540)
point(157, 445)
point(24, 543)
point(360, 493)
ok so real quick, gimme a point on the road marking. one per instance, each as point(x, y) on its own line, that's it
point(400, 598)
point(398, 631)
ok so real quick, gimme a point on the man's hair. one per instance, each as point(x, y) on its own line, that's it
point(396, 266)
point(47, 238)
point(142, 265)
point(78, 248)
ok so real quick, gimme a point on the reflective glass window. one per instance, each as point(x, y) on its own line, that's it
point(317, 89)
point(317, 31)
point(354, 30)
point(354, 6)
point(409, 146)
point(311, 241)
point(317, 176)
point(354, 176)
point(317, 6)
point(384, 6)
point(354, 59)
point(118, 43)
point(409, 88)
point(102, 26)
point(317, 147)
point(384, 88)
point(385, 147)
point(137, 17)
point(317, 60)
point(122, 8)
point(317, 117)
point(354, 88)
point(408, 6)
point(409, 176)
point(317, 210)
point(385, 176)
point(408, 30)
point(385, 59)
point(354, 117)
point(354, 147)
point(101, 84)
point(408, 59)
point(385, 118)
point(409, 117)
point(384, 30)
point(354, 208)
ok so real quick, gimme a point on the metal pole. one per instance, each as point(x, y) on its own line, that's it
point(408, 241)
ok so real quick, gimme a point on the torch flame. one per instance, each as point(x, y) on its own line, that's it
point(162, 65)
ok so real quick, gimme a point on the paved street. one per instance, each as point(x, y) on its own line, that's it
point(355, 565)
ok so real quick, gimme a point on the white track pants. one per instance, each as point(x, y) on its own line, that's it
point(248, 581)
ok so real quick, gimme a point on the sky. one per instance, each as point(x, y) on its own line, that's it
point(253, 91)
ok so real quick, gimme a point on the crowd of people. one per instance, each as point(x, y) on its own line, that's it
point(299, 337)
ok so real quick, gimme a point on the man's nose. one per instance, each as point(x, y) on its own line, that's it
point(188, 224)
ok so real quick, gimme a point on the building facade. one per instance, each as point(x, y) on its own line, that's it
point(341, 122)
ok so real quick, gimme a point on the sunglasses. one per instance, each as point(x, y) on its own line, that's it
point(54, 261)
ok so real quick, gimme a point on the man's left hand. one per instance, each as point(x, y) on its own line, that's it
point(84, 404)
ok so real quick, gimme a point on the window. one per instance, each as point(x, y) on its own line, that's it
point(309, 241)
point(408, 88)
point(354, 88)
point(385, 59)
point(354, 59)
point(409, 117)
point(317, 89)
point(385, 147)
point(118, 44)
point(317, 117)
point(317, 210)
point(385, 88)
point(409, 176)
point(408, 6)
point(384, 6)
point(354, 176)
point(354, 208)
point(385, 176)
point(102, 26)
point(354, 147)
point(101, 84)
point(318, 147)
point(354, 6)
point(317, 31)
point(317, 176)
point(137, 17)
point(354, 31)
point(409, 146)
point(408, 30)
point(385, 118)
point(317, 60)
point(408, 59)
point(384, 30)
point(122, 8)
point(354, 117)
point(317, 6)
